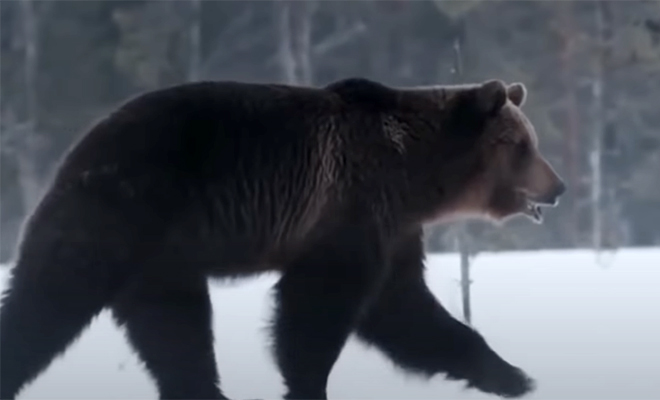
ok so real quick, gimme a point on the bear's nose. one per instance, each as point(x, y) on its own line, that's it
point(552, 195)
point(560, 189)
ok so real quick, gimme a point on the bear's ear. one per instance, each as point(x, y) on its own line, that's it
point(517, 93)
point(491, 96)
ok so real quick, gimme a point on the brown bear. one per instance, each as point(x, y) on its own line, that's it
point(329, 186)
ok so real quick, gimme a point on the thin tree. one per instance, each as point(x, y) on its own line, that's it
point(566, 31)
point(601, 118)
point(26, 154)
point(463, 238)
point(195, 40)
point(294, 40)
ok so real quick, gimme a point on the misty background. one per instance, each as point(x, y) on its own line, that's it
point(592, 69)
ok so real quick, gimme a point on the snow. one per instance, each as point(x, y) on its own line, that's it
point(584, 329)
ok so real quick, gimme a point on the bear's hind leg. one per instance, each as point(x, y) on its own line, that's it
point(44, 309)
point(410, 326)
point(71, 261)
point(318, 302)
point(168, 320)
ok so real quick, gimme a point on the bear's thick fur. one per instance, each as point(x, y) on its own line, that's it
point(330, 186)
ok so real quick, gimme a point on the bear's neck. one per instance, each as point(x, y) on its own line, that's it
point(441, 157)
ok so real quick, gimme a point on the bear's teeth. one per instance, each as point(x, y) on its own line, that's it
point(538, 215)
point(534, 212)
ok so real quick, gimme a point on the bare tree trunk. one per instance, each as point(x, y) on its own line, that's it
point(603, 17)
point(570, 151)
point(27, 152)
point(378, 43)
point(613, 229)
point(463, 238)
point(302, 36)
point(194, 68)
point(596, 178)
point(287, 59)
point(466, 281)
point(294, 31)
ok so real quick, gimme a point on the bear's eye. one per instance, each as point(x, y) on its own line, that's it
point(521, 155)
point(522, 148)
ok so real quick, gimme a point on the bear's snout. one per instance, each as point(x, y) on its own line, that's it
point(551, 197)
point(544, 186)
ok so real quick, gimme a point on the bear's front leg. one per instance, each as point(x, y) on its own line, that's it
point(319, 299)
point(409, 325)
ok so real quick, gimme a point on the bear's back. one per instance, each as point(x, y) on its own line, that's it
point(202, 128)
point(256, 159)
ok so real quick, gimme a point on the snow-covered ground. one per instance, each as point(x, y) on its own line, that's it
point(582, 329)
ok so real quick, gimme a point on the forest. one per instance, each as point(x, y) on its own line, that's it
point(592, 70)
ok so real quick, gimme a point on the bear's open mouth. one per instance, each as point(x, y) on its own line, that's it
point(533, 211)
point(532, 207)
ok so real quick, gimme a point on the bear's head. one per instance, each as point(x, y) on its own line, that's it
point(472, 150)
